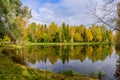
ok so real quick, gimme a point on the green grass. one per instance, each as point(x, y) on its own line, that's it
point(97, 74)
point(11, 71)
point(13, 46)
point(67, 72)
point(75, 43)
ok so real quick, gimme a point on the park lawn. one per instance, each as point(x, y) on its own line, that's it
point(12, 71)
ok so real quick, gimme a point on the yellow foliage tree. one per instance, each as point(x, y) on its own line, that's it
point(97, 33)
point(78, 37)
point(52, 30)
point(21, 23)
point(38, 33)
point(88, 35)
point(110, 36)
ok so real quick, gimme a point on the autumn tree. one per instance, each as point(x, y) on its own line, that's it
point(88, 35)
point(72, 33)
point(45, 28)
point(21, 23)
point(109, 15)
point(38, 33)
point(99, 33)
point(78, 37)
point(96, 32)
point(110, 36)
point(78, 34)
point(64, 33)
point(53, 32)
point(82, 31)
point(104, 33)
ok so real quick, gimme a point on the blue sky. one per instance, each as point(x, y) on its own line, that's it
point(73, 12)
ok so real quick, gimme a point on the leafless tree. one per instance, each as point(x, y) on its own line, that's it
point(107, 13)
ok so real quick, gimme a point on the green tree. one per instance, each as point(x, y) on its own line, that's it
point(44, 33)
point(45, 28)
point(60, 34)
point(31, 29)
point(9, 10)
point(65, 32)
point(45, 37)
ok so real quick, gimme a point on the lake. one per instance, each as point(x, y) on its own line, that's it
point(80, 59)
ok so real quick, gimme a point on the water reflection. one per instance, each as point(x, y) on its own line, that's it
point(66, 53)
point(13, 55)
point(82, 59)
point(117, 72)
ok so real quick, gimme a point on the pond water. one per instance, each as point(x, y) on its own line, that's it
point(81, 59)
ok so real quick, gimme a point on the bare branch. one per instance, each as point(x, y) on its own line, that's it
point(107, 14)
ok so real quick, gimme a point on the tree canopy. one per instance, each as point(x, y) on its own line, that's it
point(9, 11)
point(65, 33)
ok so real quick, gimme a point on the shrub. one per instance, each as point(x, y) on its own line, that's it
point(67, 72)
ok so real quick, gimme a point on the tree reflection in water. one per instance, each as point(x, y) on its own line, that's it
point(42, 54)
point(65, 53)
point(13, 55)
point(117, 74)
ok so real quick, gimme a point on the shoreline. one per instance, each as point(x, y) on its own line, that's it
point(69, 44)
point(9, 68)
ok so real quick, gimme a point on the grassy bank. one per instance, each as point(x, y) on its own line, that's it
point(53, 43)
point(14, 46)
point(75, 43)
point(12, 71)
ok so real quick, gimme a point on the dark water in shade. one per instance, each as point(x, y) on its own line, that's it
point(81, 59)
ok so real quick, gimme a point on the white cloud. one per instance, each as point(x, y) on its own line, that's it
point(72, 12)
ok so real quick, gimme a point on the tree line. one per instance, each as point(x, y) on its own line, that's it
point(65, 33)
